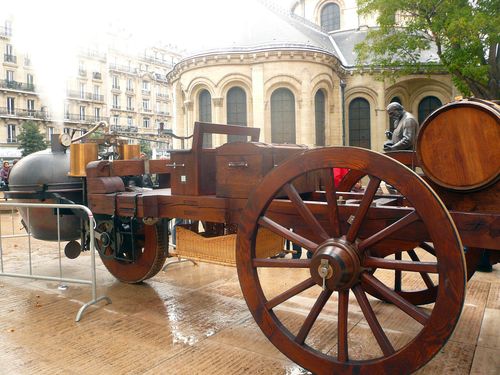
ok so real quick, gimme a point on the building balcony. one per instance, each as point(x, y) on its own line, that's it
point(147, 110)
point(130, 109)
point(19, 86)
point(129, 90)
point(161, 77)
point(82, 72)
point(96, 75)
point(84, 96)
point(77, 117)
point(116, 107)
point(122, 68)
point(95, 54)
point(10, 58)
point(157, 61)
point(5, 31)
point(124, 128)
point(146, 92)
point(165, 132)
point(22, 113)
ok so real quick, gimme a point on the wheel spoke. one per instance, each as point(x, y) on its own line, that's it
point(395, 298)
point(401, 223)
point(428, 248)
point(287, 233)
point(427, 280)
point(299, 288)
point(281, 263)
point(313, 315)
point(331, 199)
point(402, 265)
point(372, 320)
point(305, 212)
point(343, 354)
point(367, 199)
point(397, 274)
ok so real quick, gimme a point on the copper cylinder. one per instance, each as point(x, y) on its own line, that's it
point(128, 152)
point(81, 155)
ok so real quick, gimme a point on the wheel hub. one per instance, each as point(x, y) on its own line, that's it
point(335, 265)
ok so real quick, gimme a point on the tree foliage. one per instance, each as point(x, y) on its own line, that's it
point(464, 33)
point(30, 139)
point(146, 148)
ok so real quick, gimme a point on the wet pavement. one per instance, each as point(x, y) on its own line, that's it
point(194, 320)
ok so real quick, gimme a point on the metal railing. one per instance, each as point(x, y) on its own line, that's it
point(124, 128)
point(90, 226)
point(5, 31)
point(10, 58)
point(76, 117)
point(122, 68)
point(14, 85)
point(20, 112)
point(73, 94)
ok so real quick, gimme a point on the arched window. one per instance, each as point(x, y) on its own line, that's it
point(395, 99)
point(236, 111)
point(282, 116)
point(330, 17)
point(319, 117)
point(205, 112)
point(359, 123)
point(426, 106)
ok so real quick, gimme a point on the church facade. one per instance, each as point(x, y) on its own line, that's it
point(295, 77)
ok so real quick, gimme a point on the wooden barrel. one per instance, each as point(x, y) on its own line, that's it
point(458, 145)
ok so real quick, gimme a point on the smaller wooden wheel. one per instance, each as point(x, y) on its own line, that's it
point(150, 246)
point(326, 334)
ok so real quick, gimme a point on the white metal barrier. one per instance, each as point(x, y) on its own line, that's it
point(30, 275)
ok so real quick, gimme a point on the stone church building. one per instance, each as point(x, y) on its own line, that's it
point(292, 72)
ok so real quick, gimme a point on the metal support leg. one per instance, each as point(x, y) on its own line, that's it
point(177, 261)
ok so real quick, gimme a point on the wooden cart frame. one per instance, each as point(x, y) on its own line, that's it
point(420, 228)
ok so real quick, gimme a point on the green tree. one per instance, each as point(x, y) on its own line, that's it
point(146, 148)
point(30, 139)
point(465, 33)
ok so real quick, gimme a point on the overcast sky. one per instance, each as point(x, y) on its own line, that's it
point(54, 30)
point(186, 23)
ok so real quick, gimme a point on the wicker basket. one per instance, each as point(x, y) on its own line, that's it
point(222, 249)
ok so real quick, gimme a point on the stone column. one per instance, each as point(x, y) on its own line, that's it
point(305, 124)
point(218, 118)
point(188, 119)
point(258, 104)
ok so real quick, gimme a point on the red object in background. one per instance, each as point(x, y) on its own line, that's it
point(338, 175)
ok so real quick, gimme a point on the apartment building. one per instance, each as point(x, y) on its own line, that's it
point(19, 99)
point(128, 91)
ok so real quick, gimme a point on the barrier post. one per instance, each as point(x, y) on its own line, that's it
point(30, 275)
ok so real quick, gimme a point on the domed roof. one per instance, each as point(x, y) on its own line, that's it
point(254, 25)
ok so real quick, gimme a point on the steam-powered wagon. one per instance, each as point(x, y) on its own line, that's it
point(412, 237)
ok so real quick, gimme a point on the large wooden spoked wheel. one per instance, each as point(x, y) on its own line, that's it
point(151, 256)
point(343, 256)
